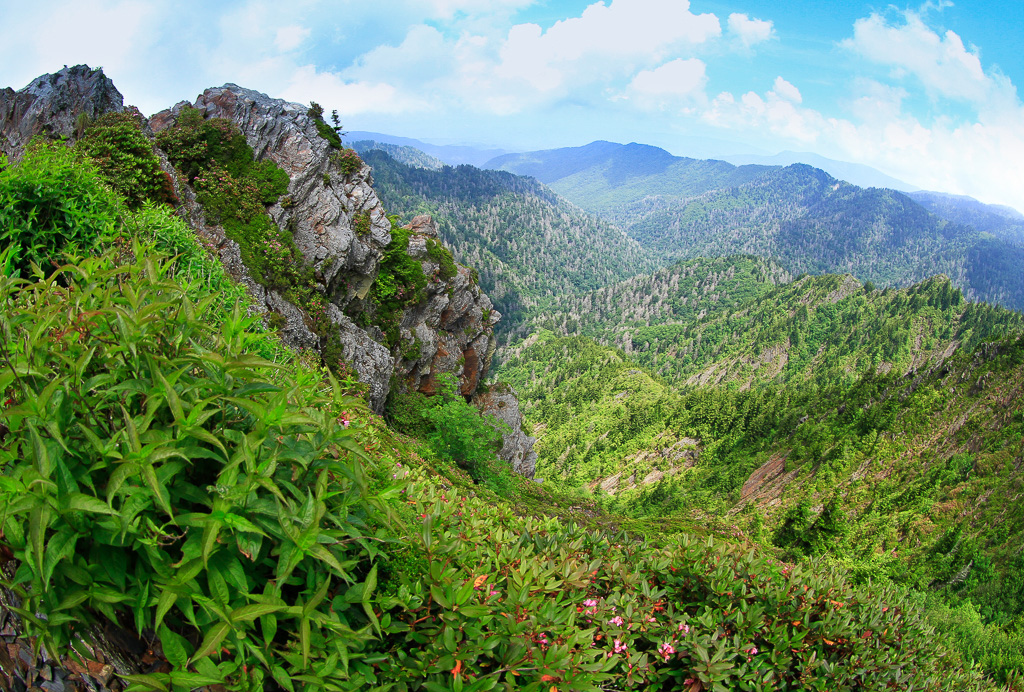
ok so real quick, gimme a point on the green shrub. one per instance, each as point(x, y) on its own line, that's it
point(460, 434)
point(316, 112)
point(159, 476)
point(52, 201)
point(125, 158)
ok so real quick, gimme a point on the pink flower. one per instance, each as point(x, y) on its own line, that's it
point(617, 621)
point(684, 628)
point(619, 647)
point(666, 650)
point(590, 603)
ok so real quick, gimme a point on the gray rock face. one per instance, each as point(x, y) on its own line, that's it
point(51, 105)
point(324, 206)
point(322, 210)
point(451, 331)
point(500, 401)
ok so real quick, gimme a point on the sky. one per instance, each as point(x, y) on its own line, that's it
point(923, 92)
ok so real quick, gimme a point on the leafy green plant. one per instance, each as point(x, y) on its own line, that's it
point(332, 135)
point(125, 158)
point(158, 475)
point(52, 201)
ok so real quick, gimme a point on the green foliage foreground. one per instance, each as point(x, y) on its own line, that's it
point(157, 472)
point(159, 477)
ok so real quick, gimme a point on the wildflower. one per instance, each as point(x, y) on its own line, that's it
point(684, 628)
point(666, 650)
point(619, 647)
point(590, 602)
point(617, 621)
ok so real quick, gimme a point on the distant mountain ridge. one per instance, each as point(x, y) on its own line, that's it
point(1006, 223)
point(856, 173)
point(451, 154)
point(601, 177)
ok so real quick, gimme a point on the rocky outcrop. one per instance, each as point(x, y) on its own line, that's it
point(55, 105)
point(337, 222)
point(321, 211)
point(323, 204)
point(451, 331)
point(501, 402)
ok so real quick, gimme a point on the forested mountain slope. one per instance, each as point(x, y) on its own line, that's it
point(811, 222)
point(910, 477)
point(1003, 222)
point(740, 321)
point(604, 177)
point(528, 245)
point(681, 293)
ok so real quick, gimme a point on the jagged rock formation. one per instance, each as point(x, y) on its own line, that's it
point(453, 328)
point(501, 402)
point(54, 105)
point(335, 219)
point(321, 216)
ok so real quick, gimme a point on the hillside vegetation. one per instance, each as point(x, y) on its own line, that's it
point(527, 244)
point(174, 481)
point(799, 216)
point(894, 455)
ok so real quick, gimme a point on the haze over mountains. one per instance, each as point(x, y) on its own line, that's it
point(681, 208)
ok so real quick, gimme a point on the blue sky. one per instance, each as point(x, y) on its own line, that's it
point(924, 92)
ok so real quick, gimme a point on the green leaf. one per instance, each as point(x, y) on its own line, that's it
point(78, 502)
point(159, 491)
point(249, 613)
point(38, 522)
point(166, 601)
point(147, 683)
point(193, 680)
point(174, 646)
point(211, 641)
point(59, 547)
point(39, 452)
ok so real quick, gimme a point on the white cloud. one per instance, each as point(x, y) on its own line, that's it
point(942, 64)
point(101, 34)
point(591, 56)
point(348, 97)
point(290, 37)
point(750, 31)
point(787, 91)
point(678, 77)
point(975, 158)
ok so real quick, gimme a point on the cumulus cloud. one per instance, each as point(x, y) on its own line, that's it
point(942, 64)
point(677, 78)
point(349, 97)
point(968, 157)
point(750, 31)
point(787, 91)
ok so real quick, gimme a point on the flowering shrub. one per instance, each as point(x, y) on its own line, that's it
point(532, 603)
